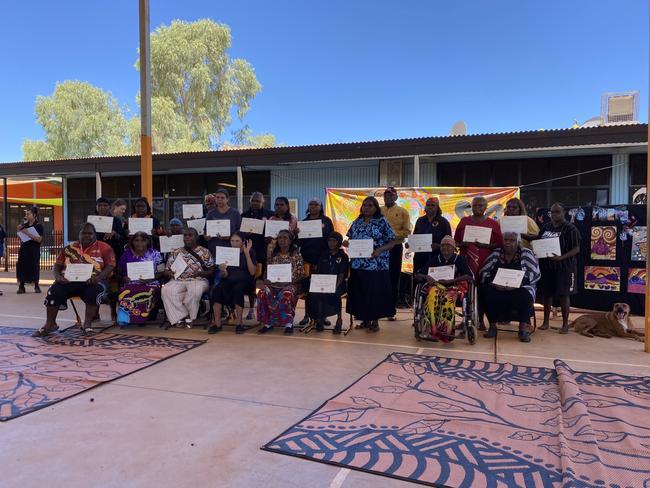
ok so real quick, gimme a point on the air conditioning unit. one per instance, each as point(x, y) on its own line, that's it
point(390, 172)
point(617, 108)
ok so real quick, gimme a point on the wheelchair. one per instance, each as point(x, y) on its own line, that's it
point(467, 302)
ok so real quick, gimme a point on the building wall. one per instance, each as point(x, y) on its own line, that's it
point(309, 181)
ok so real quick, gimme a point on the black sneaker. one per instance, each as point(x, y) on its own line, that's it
point(320, 326)
point(264, 330)
point(213, 329)
point(491, 333)
point(240, 329)
point(288, 330)
point(524, 336)
point(304, 321)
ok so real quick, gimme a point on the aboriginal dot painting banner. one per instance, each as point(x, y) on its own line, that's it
point(343, 205)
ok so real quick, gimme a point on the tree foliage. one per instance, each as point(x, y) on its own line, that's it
point(196, 89)
point(79, 120)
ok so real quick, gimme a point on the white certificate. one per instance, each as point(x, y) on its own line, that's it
point(443, 272)
point(420, 242)
point(310, 228)
point(252, 226)
point(274, 226)
point(198, 224)
point(78, 272)
point(27, 233)
point(361, 248)
point(322, 283)
point(227, 255)
point(179, 266)
point(140, 224)
point(545, 248)
point(141, 270)
point(192, 211)
point(510, 278)
point(168, 244)
point(278, 273)
point(214, 228)
point(514, 223)
point(474, 233)
point(102, 223)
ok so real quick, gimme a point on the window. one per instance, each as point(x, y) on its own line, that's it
point(638, 169)
point(478, 174)
point(506, 173)
point(450, 174)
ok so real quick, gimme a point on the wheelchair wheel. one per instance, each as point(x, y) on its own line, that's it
point(471, 334)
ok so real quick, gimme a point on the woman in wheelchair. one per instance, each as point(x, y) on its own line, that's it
point(441, 293)
point(500, 302)
point(234, 284)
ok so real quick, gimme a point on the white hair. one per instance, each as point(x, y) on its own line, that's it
point(511, 233)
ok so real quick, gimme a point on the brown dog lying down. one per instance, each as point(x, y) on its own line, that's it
point(610, 324)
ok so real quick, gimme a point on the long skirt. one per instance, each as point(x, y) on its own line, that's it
point(370, 295)
point(277, 306)
point(439, 311)
point(29, 262)
point(136, 301)
point(323, 305)
point(514, 304)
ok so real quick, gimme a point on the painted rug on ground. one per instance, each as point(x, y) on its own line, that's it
point(453, 422)
point(37, 372)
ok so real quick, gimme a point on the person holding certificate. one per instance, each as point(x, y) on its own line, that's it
point(142, 210)
point(432, 222)
point(559, 273)
point(332, 262)
point(282, 212)
point(117, 237)
point(28, 267)
point(499, 300)
point(516, 208)
point(223, 211)
point(370, 291)
point(312, 248)
point(276, 301)
point(139, 295)
point(236, 281)
point(188, 269)
point(97, 261)
point(447, 275)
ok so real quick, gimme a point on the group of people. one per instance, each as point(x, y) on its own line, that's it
point(185, 276)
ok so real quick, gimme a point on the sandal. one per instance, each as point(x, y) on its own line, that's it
point(87, 331)
point(45, 331)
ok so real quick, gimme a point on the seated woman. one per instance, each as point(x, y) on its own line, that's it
point(333, 262)
point(441, 295)
point(188, 269)
point(137, 298)
point(498, 299)
point(88, 250)
point(234, 284)
point(276, 302)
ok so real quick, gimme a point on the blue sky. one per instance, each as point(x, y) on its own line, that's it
point(350, 70)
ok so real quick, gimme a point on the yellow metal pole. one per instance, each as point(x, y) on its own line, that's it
point(647, 261)
point(146, 166)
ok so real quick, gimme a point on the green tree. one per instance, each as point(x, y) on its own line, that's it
point(244, 138)
point(190, 68)
point(79, 120)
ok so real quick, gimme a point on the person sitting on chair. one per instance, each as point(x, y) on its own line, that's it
point(182, 294)
point(276, 302)
point(333, 262)
point(498, 299)
point(88, 250)
point(235, 282)
point(440, 295)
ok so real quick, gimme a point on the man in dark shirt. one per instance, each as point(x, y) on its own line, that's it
point(559, 273)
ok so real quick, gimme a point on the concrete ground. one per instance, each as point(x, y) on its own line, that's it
point(199, 419)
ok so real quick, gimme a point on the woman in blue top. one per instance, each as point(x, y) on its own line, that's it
point(369, 289)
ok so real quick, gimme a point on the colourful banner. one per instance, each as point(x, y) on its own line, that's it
point(343, 205)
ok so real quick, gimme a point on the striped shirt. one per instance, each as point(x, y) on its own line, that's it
point(524, 260)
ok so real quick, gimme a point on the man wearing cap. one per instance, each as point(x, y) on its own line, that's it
point(400, 221)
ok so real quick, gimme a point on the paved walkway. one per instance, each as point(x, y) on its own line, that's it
point(198, 420)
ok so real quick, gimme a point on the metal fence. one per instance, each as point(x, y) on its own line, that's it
point(51, 247)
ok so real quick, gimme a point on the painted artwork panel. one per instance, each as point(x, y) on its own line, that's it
point(639, 244)
point(602, 278)
point(637, 280)
point(603, 242)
